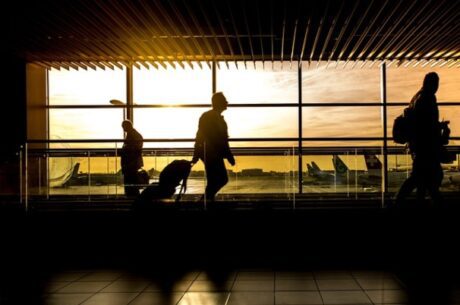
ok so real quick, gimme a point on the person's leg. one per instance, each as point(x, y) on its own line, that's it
point(130, 181)
point(406, 188)
point(435, 184)
point(216, 175)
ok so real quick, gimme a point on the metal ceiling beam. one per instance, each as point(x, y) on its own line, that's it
point(235, 30)
point(211, 29)
point(330, 32)
point(389, 31)
point(305, 38)
point(245, 17)
point(191, 36)
point(444, 29)
point(342, 33)
point(318, 33)
point(161, 48)
point(353, 33)
point(200, 31)
point(412, 35)
point(282, 34)
point(137, 31)
point(293, 39)
point(365, 34)
point(224, 31)
point(259, 25)
point(370, 42)
point(385, 52)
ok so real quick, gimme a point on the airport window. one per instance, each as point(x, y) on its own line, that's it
point(182, 85)
point(91, 87)
point(260, 84)
point(85, 123)
point(451, 113)
point(164, 123)
point(323, 83)
point(403, 83)
point(340, 121)
point(262, 120)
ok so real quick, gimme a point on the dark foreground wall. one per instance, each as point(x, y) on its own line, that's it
point(12, 122)
point(410, 243)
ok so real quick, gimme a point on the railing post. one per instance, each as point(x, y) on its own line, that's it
point(214, 77)
point(129, 93)
point(21, 182)
point(26, 180)
point(383, 96)
point(89, 175)
point(300, 128)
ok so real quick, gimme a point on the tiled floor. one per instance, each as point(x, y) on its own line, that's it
point(244, 287)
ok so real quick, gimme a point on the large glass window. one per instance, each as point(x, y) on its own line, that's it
point(264, 137)
point(404, 82)
point(85, 123)
point(327, 84)
point(262, 83)
point(91, 87)
point(173, 86)
point(341, 122)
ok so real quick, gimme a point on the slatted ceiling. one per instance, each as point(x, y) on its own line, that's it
point(73, 34)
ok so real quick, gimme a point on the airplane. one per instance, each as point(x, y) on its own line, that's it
point(315, 172)
point(396, 177)
point(340, 175)
point(64, 178)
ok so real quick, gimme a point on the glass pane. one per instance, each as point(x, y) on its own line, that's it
point(242, 122)
point(86, 87)
point(173, 86)
point(392, 113)
point(163, 123)
point(264, 83)
point(399, 169)
point(448, 113)
point(85, 123)
point(323, 84)
point(452, 114)
point(262, 122)
point(341, 122)
point(86, 175)
point(342, 145)
point(403, 83)
point(263, 175)
point(347, 172)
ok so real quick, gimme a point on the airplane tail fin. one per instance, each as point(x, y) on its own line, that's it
point(75, 169)
point(372, 162)
point(315, 166)
point(310, 169)
point(339, 166)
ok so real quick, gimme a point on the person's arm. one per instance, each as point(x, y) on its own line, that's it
point(228, 151)
point(198, 149)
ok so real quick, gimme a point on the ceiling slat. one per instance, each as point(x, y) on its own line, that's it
point(100, 34)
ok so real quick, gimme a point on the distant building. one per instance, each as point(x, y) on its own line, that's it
point(252, 172)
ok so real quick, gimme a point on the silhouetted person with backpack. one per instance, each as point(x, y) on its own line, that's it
point(211, 145)
point(131, 158)
point(426, 139)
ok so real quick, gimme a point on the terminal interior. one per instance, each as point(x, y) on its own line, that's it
point(308, 214)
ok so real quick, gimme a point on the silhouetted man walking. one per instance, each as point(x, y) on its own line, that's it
point(425, 143)
point(131, 158)
point(211, 145)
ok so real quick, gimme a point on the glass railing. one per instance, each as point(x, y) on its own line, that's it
point(262, 172)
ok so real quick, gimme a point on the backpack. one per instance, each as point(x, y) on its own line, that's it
point(402, 127)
